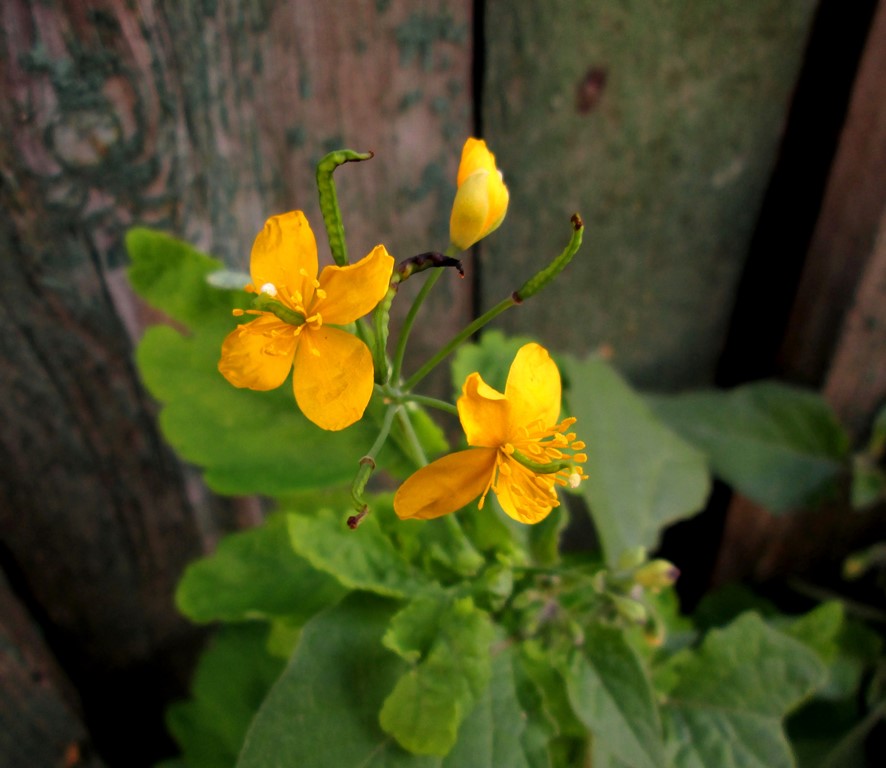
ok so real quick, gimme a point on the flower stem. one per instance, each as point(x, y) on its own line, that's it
point(413, 312)
point(457, 340)
point(431, 402)
point(367, 463)
point(409, 321)
point(418, 453)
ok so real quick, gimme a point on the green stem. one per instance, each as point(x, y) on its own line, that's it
point(409, 322)
point(457, 340)
point(413, 312)
point(367, 463)
point(431, 402)
point(418, 453)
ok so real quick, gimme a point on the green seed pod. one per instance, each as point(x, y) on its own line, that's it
point(538, 281)
point(329, 200)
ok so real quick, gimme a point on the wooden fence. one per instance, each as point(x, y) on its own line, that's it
point(666, 124)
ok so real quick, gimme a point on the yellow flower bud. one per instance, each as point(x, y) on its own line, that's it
point(482, 197)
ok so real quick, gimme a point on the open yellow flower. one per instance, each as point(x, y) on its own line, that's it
point(333, 374)
point(519, 448)
point(482, 197)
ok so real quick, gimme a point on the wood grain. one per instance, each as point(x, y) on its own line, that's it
point(844, 236)
point(200, 118)
point(659, 123)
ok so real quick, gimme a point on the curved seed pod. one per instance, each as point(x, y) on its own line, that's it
point(538, 281)
point(329, 200)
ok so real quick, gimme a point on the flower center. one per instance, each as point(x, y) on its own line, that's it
point(529, 468)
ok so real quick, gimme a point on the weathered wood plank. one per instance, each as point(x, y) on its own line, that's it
point(844, 236)
point(856, 382)
point(200, 118)
point(658, 122)
point(40, 721)
point(838, 328)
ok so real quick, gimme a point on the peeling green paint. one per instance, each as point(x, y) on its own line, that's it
point(440, 105)
point(332, 143)
point(382, 5)
point(296, 136)
point(409, 99)
point(454, 87)
point(416, 37)
point(77, 80)
point(305, 85)
point(433, 179)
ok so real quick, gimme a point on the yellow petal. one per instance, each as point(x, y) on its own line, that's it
point(498, 202)
point(258, 354)
point(470, 211)
point(483, 412)
point(332, 379)
point(532, 505)
point(445, 485)
point(353, 291)
point(282, 250)
point(475, 156)
point(533, 389)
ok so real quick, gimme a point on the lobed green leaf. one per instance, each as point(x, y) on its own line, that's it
point(778, 445)
point(246, 442)
point(362, 559)
point(641, 476)
point(323, 710)
point(429, 703)
point(611, 693)
point(725, 701)
point(255, 574)
point(233, 677)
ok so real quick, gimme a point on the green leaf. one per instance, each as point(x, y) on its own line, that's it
point(489, 532)
point(544, 537)
point(725, 701)
point(846, 647)
point(429, 702)
point(778, 445)
point(175, 278)
point(230, 682)
point(255, 574)
point(363, 559)
point(495, 733)
point(868, 482)
point(611, 694)
point(323, 711)
point(441, 546)
point(641, 476)
point(247, 442)
point(540, 727)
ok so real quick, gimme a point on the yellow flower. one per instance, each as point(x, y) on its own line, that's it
point(482, 197)
point(520, 450)
point(333, 372)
